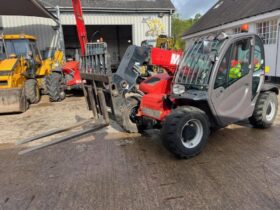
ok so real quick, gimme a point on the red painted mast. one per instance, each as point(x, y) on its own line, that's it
point(80, 24)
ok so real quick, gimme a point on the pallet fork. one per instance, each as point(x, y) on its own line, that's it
point(96, 101)
point(104, 92)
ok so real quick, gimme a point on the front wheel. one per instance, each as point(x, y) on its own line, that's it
point(185, 132)
point(32, 91)
point(265, 110)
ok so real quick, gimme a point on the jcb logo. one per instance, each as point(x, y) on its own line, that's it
point(175, 58)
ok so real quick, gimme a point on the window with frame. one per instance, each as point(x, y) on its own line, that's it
point(237, 30)
point(268, 31)
point(259, 65)
point(235, 64)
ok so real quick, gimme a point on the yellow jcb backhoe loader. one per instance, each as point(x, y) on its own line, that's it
point(22, 72)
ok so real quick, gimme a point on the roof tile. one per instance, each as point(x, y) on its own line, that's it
point(118, 4)
point(227, 11)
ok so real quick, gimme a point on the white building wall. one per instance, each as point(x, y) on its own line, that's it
point(47, 36)
point(278, 51)
point(140, 27)
point(42, 28)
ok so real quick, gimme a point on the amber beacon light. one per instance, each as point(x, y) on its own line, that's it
point(245, 28)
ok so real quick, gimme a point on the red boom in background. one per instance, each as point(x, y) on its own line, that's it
point(80, 24)
point(72, 68)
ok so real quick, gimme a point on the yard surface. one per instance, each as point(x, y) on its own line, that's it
point(238, 169)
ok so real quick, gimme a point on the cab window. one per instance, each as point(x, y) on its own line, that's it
point(35, 52)
point(19, 47)
point(235, 63)
point(240, 60)
point(221, 79)
point(258, 55)
point(259, 64)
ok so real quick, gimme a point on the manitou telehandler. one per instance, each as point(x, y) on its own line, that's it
point(219, 81)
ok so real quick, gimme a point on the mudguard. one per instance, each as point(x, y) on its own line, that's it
point(270, 87)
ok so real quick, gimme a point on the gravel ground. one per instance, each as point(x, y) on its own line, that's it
point(238, 169)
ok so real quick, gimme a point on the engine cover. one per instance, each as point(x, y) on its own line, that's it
point(160, 83)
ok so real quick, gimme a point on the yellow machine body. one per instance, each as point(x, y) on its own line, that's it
point(165, 42)
point(13, 67)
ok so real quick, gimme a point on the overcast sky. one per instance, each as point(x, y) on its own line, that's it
point(188, 8)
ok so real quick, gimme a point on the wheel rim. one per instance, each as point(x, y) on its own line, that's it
point(270, 112)
point(192, 133)
point(62, 95)
point(133, 113)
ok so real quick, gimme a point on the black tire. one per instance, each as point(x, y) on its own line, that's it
point(265, 110)
point(182, 123)
point(24, 104)
point(32, 91)
point(44, 87)
point(129, 121)
point(54, 85)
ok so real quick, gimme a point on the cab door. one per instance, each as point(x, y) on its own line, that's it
point(231, 94)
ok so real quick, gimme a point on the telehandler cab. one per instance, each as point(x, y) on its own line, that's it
point(220, 80)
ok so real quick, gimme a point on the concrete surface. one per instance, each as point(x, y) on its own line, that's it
point(238, 169)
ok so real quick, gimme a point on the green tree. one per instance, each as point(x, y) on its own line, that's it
point(180, 26)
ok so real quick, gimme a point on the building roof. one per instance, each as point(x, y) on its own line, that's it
point(227, 11)
point(25, 8)
point(117, 4)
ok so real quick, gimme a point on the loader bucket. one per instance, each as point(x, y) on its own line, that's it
point(12, 101)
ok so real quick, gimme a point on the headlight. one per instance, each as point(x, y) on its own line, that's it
point(56, 65)
point(178, 89)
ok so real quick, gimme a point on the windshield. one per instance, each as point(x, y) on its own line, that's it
point(20, 47)
point(196, 66)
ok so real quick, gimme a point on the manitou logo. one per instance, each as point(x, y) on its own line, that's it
point(175, 58)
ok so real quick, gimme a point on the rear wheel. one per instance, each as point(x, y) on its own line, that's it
point(265, 110)
point(54, 85)
point(32, 91)
point(185, 131)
